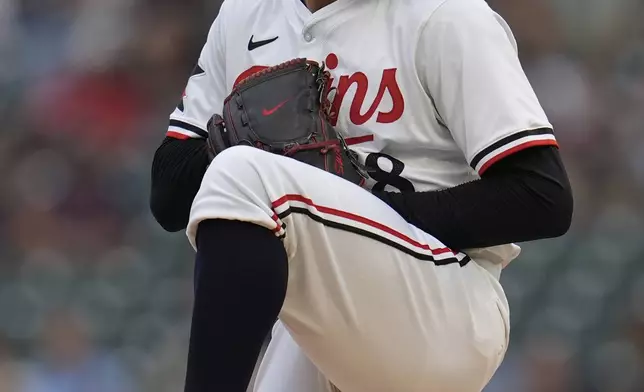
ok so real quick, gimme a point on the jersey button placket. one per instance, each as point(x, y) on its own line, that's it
point(309, 47)
point(308, 31)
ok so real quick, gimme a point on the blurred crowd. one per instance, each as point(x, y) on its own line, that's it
point(95, 297)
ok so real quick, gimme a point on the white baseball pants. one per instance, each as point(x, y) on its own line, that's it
point(376, 304)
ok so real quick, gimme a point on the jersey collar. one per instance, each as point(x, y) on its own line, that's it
point(327, 16)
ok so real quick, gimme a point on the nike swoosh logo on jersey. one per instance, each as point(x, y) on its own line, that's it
point(254, 45)
point(268, 112)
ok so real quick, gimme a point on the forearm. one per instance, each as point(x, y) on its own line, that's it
point(177, 171)
point(523, 197)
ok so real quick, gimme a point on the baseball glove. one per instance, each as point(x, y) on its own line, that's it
point(285, 110)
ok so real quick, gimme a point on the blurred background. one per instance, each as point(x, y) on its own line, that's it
point(95, 297)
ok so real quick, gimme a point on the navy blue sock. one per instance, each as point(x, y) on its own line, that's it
point(241, 274)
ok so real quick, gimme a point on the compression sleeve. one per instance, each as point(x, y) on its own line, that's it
point(177, 171)
point(523, 197)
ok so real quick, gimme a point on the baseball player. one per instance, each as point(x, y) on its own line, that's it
point(386, 282)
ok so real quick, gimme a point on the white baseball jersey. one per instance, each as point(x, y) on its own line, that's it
point(432, 90)
point(431, 93)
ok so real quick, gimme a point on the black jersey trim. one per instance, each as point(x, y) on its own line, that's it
point(188, 127)
point(506, 140)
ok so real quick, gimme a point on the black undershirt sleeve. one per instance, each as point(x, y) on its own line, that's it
point(523, 197)
point(177, 171)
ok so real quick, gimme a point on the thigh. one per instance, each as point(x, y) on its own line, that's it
point(375, 303)
point(374, 318)
point(286, 368)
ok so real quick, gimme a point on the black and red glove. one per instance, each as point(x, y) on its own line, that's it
point(284, 110)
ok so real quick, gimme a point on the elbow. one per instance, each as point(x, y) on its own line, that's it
point(164, 212)
point(177, 169)
point(561, 213)
point(163, 194)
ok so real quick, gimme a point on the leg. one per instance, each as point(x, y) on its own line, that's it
point(236, 302)
point(376, 304)
point(285, 367)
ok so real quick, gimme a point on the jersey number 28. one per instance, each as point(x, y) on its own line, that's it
point(384, 177)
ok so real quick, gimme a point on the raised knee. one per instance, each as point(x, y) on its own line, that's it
point(238, 163)
point(233, 188)
point(235, 156)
